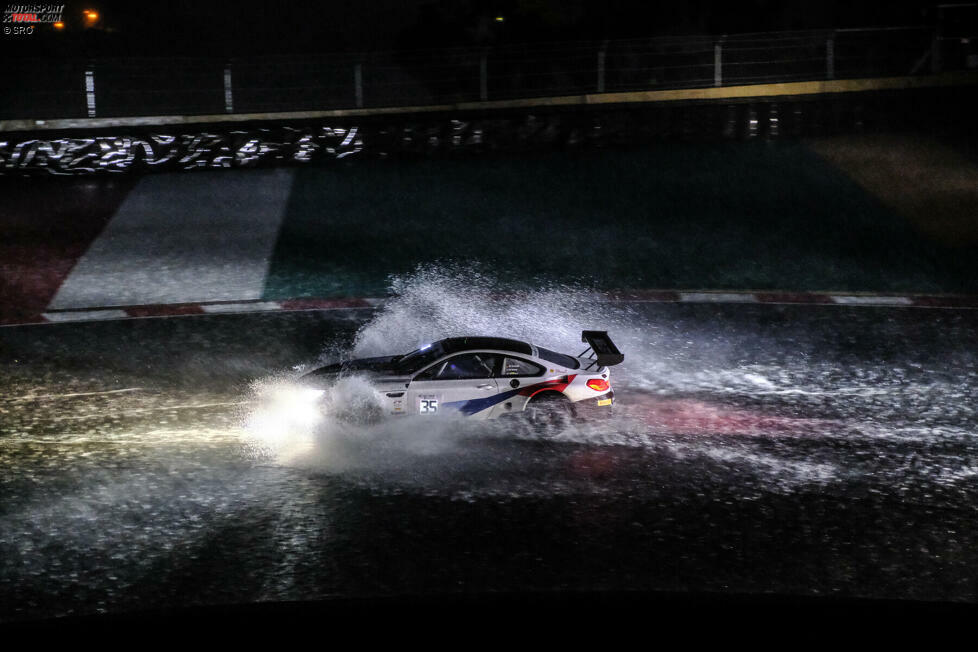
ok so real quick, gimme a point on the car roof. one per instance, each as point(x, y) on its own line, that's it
point(457, 344)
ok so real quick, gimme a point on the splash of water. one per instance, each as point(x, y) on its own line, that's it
point(445, 301)
point(664, 360)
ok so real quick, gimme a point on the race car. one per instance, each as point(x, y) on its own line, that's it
point(488, 378)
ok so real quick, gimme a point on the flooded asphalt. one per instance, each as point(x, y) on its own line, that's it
point(801, 450)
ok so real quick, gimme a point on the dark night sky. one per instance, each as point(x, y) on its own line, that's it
point(137, 27)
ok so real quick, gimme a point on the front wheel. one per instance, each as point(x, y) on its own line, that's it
point(550, 413)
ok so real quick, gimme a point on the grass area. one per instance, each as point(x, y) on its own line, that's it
point(762, 215)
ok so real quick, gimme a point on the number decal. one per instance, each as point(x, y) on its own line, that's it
point(427, 404)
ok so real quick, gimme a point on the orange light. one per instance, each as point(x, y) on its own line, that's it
point(59, 25)
point(91, 15)
point(598, 384)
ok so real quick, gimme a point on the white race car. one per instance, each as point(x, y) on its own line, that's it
point(487, 378)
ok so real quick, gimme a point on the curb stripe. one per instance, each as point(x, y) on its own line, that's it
point(717, 297)
point(85, 315)
point(166, 310)
point(860, 300)
point(328, 304)
point(640, 296)
point(792, 297)
point(618, 296)
point(250, 306)
point(945, 302)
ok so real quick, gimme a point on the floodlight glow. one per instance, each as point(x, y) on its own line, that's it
point(288, 412)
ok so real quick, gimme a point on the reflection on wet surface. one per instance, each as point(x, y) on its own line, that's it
point(797, 449)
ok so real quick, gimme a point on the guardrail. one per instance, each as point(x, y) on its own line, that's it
point(44, 89)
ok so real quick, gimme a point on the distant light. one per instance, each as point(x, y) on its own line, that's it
point(500, 19)
point(59, 25)
point(91, 15)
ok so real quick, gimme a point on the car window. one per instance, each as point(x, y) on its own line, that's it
point(461, 367)
point(520, 367)
point(411, 362)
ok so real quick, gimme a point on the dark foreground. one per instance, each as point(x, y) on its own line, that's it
point(797, 450)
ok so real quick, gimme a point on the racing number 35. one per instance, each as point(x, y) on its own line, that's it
point(427, 404)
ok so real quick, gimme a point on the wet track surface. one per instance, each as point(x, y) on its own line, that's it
point(754, 448)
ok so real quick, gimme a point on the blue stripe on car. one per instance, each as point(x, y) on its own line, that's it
point(470, 407)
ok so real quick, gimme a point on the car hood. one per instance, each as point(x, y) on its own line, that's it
point(380, 369)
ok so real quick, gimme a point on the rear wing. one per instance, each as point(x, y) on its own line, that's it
point(603, 350)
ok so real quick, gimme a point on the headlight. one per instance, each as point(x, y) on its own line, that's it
point(310, 394)
point(285, 413)
point(297, 405)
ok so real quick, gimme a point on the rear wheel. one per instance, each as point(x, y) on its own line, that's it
point(550, 413)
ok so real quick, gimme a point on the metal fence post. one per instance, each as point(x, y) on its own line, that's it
point(484, 77)
point(358, 84)
point(90, 92)
point(228, 95)
point(830, 57)
point(935, 45)
point(717, 64)
point(601, 55)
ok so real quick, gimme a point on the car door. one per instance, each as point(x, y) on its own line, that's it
point(515, 374)
point(462, 384)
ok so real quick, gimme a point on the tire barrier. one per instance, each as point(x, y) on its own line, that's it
point(146, 149)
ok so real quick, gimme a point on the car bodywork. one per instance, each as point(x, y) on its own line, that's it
point(484, 377)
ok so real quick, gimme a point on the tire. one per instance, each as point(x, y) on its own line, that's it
point(549, 413)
